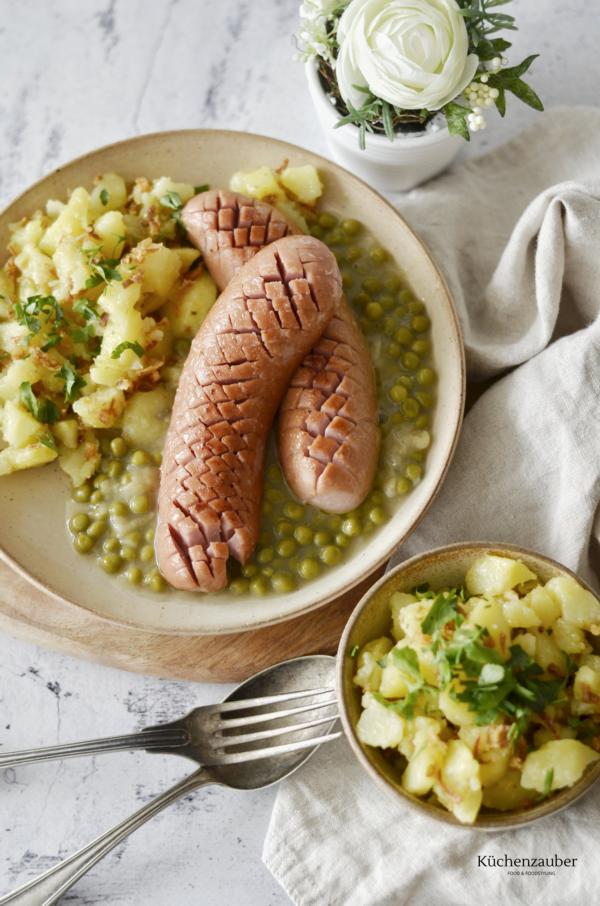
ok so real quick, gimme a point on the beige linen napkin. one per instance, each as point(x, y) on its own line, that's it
point(517, 234)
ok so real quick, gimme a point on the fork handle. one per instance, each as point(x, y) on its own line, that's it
point(166, 737)
point(52, 884)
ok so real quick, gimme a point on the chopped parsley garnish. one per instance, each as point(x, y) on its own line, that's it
point(171, 200)
point(41, 408)
point(85, 308)
point(74, 383)
point(118, 350)
point(48, 441)
point(104, 196)
point(29, 313)
point(103, 271)
point(442, 611)
point(354, 651)
point(548, 779)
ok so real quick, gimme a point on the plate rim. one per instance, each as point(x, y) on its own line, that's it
point(348, 586)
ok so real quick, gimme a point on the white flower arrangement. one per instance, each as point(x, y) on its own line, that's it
point(393, 65)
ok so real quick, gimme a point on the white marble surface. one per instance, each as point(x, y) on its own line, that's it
point(75, 76)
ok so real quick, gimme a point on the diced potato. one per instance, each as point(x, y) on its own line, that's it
point(14, 459)
point(586, 689)
point(125, 324)
point(259, 183)
point(159, 268)
point(189, 305)
point(26, 233)
point(110, 228)
point(187, 257)
point(37, 272)
point(379, 725)
point(73, 220)
point(578, 605)
point(544, 735)
point(397, 601)
point(490, 615)
point(423, 768)
point(108, 194)
point(80, 464)
point(410, 618)
point(145, 418)
point(8, 293)
point(548, 655)
point(591, 660)
point(459, 786)
point(393, 682)
point(545, 606)
point(570, 638)
point(72, 268)
point(66, 433)
point(507, 793)
point(291, 213)
point(519, 615)
point(368, 672)
point(19, 427)
point(566, 758)
point(102, 408)
point(303, 182)
point(527, 641)
point(492, 575)
point(18, 372)
point(455, 711)
point(491, 748)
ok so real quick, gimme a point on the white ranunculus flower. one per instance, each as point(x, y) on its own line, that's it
point(412, 53)
point(316, 9)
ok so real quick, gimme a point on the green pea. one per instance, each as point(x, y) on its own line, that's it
point(425, 399)
point(398, 393)
point(374, 311)
point(335, 523)
point(415, 306)
point(265, 555)
point(395, 419)
point(140, 458)
point(111, 545)
point(133, 538)
point(371, 284)
point(118, 447)
point(259, 586)
point(97, 528)
point(82, 493)
point(125, 478)
point(97, 480)
point(239, 586)
point(421, 346)
point(351, 227)
point(111, 563)
point(406, 379)
point(97, 497)
point(309, 568)
point(393, 283)
point(410, 360)
point(387, 302)
point(362, 298)
point(155, 581)
point(414, 471)
point(335, 237)
point(83, 543)
point(376, 497)
point(353, 254)
point(283, 583)
point(274, 495)
point(128, 552)
point(105, 443)
point(287, 547)
point(322, 538)
point(420, 323)
point(418, 455)
point(410, 408)
point(377, 255)
point(377, 515)
point(134, 575)
point(422, 421)
point(403, 336)
point(330, 555)
point(249, 570)
point(283, 529)
point(139, 504)
point(118, 508)
point(426, 377)
point(388, 326)
point(303, 534)
point(149, 534)
point(79, 522)
point(293, 511)
point(403, 486)
point(351, 527)
point(342, 540)
point(327, 220)
point(115, 468)
point(267, 571)
point(147, 553)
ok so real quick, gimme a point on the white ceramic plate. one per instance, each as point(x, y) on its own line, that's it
point(33, 537)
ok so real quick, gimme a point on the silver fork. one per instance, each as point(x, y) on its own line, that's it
point(214, 737)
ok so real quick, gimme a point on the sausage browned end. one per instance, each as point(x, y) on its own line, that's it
point(239, 366)
point(229, 229)
point(328, 435)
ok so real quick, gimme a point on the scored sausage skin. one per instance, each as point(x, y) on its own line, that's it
point(229, 229)
point(328, 435)
point(239, 366)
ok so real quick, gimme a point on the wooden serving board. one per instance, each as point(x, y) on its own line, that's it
point(28, 613)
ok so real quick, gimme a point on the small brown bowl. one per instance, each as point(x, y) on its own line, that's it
point(444, 566)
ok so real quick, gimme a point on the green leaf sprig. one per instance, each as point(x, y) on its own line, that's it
point(40, 407)
point(127, 344)
point(74, 383)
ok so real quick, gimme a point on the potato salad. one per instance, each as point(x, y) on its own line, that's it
point(486, 695)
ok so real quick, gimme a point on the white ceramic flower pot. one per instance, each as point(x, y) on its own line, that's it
point(390, 166)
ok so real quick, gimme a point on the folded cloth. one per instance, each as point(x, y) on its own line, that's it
point(517, 234)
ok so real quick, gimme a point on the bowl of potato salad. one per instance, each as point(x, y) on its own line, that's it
point(469, 684)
